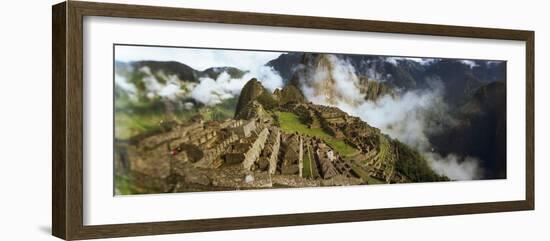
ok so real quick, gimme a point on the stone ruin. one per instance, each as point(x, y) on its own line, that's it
point(270, 153)
point(292, 160)
point(218, 155)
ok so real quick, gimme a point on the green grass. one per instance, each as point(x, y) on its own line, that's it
point(365, 176)
point(128, 125)
point(291, 123)
point(341, 147)
point(314, 168)
point(311, 169)
point(213, 113)
point(123, 185)
point(413, 165)
point(372, 180)
point(306, 169)
point(222, 111)
point(134, 118)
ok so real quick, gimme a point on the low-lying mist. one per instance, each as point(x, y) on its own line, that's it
point(207, 91)
point(408, 116)
point(213, 91)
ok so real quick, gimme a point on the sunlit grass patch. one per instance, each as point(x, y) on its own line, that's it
point(291, 123)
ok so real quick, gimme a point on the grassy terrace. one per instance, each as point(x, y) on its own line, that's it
point(365, 176)
point(310, 168)
point(291, 123)
point(341, 146)
point(306, 169)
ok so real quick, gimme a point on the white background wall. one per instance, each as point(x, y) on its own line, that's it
point(25, 120)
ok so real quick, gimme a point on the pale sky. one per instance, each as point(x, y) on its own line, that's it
point(198, 59)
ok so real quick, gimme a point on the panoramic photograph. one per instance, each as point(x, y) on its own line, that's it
point(200, 119)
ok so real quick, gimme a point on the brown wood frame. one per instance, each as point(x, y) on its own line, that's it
point(67, 121)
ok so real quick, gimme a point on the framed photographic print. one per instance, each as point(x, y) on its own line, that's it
point(171, 120)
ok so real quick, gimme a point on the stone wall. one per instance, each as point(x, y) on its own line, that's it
point(269, 156)
point(255, 149)
point(273, 159)
point(344, 168)
point(292, 157)
point(301, 157)
point(246, 129)
point(231, 123)
point(211, 154)
point(326, 166)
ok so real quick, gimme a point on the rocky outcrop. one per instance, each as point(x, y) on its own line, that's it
point(250, 92)
point(316, 73)
point(373, 90)
point(252, 110)
point(289, 94)
point(334, 80)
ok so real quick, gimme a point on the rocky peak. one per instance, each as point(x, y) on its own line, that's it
point(250, 91)
point(373, 90)
point(289, 93)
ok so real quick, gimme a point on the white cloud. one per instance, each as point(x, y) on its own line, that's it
point(214, 91)
point(199, 59)
point(211, 92)
point(208, 91)
point(123, 83)
point(470, 63)
point(422, 61)
point(392, 60)
point(455, 167)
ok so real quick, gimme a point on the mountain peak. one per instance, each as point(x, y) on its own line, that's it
point(250, 91)
point(289, 93)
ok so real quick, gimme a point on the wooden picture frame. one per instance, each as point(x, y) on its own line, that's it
point(67, 137)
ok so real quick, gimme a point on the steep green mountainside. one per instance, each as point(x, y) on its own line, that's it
point(481, 130)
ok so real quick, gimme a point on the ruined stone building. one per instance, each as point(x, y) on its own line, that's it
point(293, 156)
point(244, 153)
point(255, 149)
point(270, 154)
point(327, 169)
point(245, 129)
